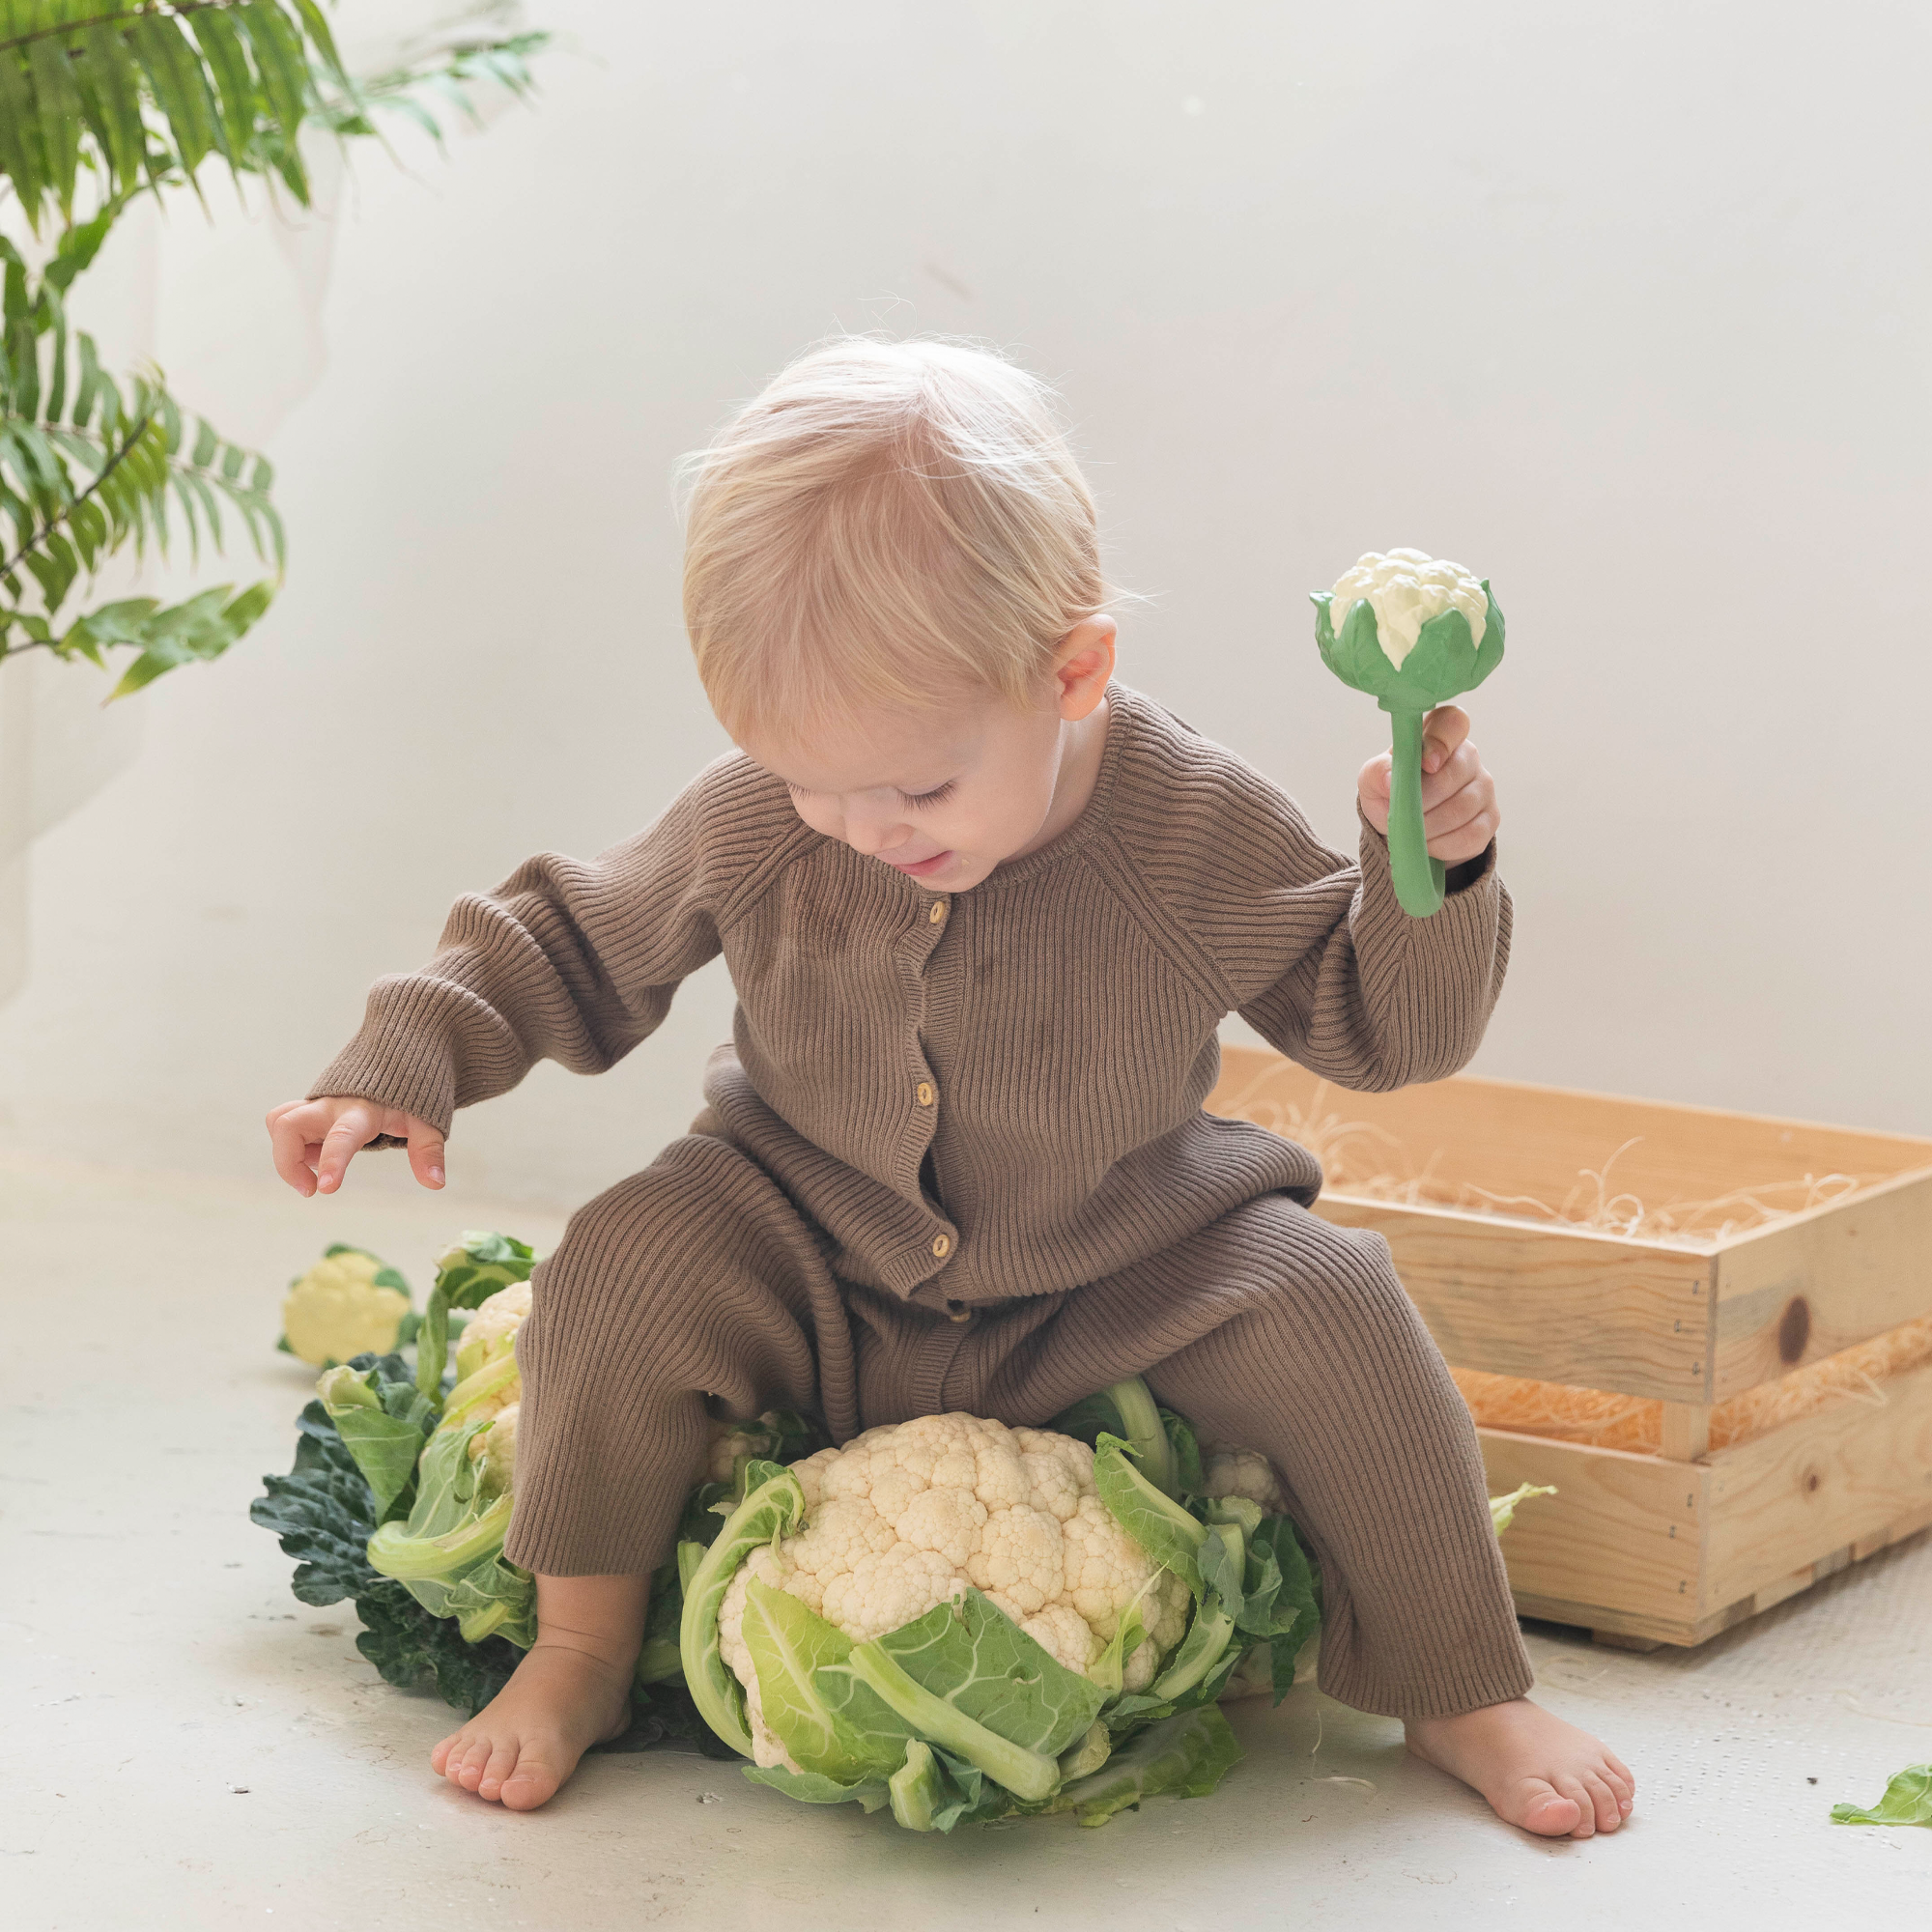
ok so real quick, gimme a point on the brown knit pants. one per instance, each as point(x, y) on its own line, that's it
point(1269, 1328)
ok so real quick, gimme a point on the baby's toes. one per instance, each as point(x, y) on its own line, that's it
point(501, 1762)
point(533, 1781)
point(1603, 1803)
point(1621, 1780)
point(438, 1755)
point(1540, 1807)
point(1574, 1789)
point(470, 1774)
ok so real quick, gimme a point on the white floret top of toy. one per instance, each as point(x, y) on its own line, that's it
point(1405, 588)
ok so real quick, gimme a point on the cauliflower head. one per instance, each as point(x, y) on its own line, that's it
point(1243, 1472)
point(342, 1307)
point(493, 1450)
point(907, 1516)
point(487, 1381)
point(492, 1331)
point(1405, 588)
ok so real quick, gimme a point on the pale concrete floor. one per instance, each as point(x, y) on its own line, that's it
point(189, 1748)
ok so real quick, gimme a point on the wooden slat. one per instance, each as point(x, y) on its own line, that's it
point(1685, 1431)
point(1794, 1496)
point(1620, 1537)
point(1790, 1295)
point(1555, 1306)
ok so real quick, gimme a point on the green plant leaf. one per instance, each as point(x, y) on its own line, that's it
point(771, 1510)
point(1169, 1534)
point(471, 1271)
point(790, 1644)
point(1906, 1801)
point(1184, 1756)
point(449, 1552)
point(1503, 1509)
point(1026, 1773)
point(383, 1426)
point(808, 1788)
point(973, 1654)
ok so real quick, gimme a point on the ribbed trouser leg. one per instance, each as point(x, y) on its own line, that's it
point(694, 1277)
point(1275, 1331)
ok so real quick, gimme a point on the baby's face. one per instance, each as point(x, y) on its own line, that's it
point(943, 796)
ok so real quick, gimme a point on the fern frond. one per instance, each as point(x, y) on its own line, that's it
point(138, 92)
point(89, 465)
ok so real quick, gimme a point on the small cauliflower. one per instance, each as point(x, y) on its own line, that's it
point(350, 1303)
point(908, 1515)
point(1405, 588)
point(1243, 1472)
point(493, 1450)
point(492, 1331)
point(487, 1379)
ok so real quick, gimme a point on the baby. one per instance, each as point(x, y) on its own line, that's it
point(984, 909)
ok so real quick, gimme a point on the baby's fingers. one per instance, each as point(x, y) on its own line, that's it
point(1442, 731)
point(355, 1128)
point(426, 1153)
point(294, 1132)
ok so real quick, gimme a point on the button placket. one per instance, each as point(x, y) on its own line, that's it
point(929, 931)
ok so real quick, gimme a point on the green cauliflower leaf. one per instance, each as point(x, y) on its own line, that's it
point(1906, 1801)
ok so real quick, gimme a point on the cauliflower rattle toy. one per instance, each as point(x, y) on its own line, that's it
point(1414, 631)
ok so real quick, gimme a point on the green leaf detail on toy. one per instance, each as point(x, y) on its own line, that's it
point(1415, 632)
point(1906, 1801)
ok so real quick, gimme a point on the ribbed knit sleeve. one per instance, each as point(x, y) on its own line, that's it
point(1311, 949)
point(570, 960)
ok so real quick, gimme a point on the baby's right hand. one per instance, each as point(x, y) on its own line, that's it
point(314, 1141)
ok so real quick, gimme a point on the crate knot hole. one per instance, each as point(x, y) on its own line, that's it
point(1794, 1330)
point(1811, 1479)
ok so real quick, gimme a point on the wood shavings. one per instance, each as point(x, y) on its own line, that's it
point(1369, 1163)
point(1608, 1421)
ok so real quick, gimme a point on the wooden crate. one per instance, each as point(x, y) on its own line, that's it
point(1669, 1547)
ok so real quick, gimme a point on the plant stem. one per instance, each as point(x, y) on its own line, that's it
point(1418, 878)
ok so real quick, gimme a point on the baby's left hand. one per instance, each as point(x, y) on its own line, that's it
point(1459, 796)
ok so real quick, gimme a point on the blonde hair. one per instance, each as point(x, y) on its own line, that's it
point(887, 524)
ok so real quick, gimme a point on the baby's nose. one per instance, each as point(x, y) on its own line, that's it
point(872, 836)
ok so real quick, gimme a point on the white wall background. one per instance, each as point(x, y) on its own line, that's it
point(1626, 306)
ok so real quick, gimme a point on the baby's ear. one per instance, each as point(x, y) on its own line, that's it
point(1083, 666)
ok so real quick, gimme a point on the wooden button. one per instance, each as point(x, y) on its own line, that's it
point(957, 1311)
point(942, 1246)
point(924, 1093)
point(938, 913)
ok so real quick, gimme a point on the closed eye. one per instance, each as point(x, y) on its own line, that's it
point(932, 797)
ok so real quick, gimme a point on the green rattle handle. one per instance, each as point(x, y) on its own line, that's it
point(1418, 878)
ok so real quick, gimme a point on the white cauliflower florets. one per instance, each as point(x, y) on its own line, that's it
point(1405, 588)
point(907, 1516)
point(495, 1450)
point(1243, 1472)
point(492, 1331)
point(338, 1311)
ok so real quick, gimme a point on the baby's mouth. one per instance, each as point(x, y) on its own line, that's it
point(919, 869)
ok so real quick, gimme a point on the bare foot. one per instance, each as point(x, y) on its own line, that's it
point(1535, 1770)
point(521, 1745)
